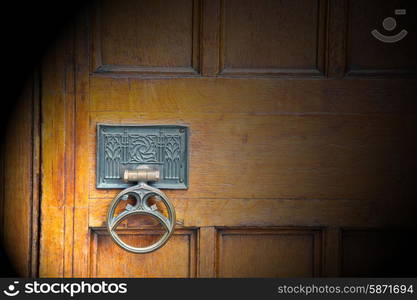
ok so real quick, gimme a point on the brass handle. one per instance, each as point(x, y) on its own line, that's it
point(141, 192)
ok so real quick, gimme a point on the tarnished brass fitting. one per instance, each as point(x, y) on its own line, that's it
point(143, 173)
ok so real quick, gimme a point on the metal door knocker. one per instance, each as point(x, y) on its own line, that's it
point(141, 192)
point(153, 156)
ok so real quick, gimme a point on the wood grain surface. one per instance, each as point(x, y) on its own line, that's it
point(302, 156)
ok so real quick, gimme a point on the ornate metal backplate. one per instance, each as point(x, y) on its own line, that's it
point(121, 147)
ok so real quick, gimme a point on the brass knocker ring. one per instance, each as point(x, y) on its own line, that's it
point(141, 192)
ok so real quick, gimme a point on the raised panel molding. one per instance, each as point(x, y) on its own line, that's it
point(288, 40)
point(176, 259)
point(236, 38)
point(269, 252)
point(121, 43)
point(336, 38)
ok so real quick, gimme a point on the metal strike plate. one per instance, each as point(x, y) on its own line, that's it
point(125, 147)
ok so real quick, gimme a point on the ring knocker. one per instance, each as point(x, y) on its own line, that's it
point(141, 192)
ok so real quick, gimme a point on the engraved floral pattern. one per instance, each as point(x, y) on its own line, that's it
point(121, 149)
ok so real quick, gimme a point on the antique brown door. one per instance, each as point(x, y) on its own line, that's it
point(299, 154)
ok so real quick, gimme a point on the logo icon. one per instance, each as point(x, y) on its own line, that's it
point(11, 291)
point(389, 24)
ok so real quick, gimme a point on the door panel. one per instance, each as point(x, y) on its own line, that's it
point(370, 14)
point(252, 34)
point(175, 259)
point(269, 252)
point(361, 255)
point(289, 160)
point(156, 37)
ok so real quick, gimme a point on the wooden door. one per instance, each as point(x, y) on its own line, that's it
point(301, 130)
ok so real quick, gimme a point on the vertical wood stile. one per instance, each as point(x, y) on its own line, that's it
point(55, 106)
point(210, 37)
point(336, 38)
point(207, 252)
point(81, 230)
point(332, 248)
